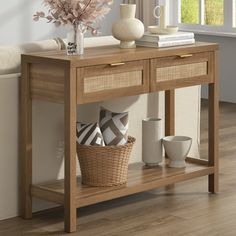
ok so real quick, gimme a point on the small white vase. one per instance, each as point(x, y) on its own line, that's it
point(128, 28)
point(177, 149)
point(152, 134)
point(75, 39)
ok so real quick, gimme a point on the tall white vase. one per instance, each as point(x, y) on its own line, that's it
point(152, 134)
point(128, 28)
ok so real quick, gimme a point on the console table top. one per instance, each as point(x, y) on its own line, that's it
point(112, 54)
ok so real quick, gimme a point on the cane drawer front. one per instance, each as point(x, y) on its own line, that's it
point(98, 83)
point(181, 71)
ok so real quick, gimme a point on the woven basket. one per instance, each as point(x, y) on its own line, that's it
point(104, 166)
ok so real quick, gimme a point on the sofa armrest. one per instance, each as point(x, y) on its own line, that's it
point(10, 76)
point(10, 56)
point(100, 41)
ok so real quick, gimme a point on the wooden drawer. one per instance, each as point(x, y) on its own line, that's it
point(98, 83)
point(181, 71)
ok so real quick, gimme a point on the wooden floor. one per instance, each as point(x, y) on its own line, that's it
point(186, 210)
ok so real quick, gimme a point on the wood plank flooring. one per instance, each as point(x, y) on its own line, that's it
point(186, 210)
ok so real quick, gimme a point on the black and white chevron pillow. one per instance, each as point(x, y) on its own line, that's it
point(89, 134)
point(114, 127)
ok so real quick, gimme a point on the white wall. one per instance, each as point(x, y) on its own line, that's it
point(227, 66)
point(8, 146)
point(17, 25)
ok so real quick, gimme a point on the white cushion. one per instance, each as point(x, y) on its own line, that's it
point(10, 76)
point(100, 41)
point(10, 56)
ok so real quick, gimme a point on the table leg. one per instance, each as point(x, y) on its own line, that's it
point(25, 144)
point(169, 119)
point(70, 150)
point(170, 112)
point(213, 148)
point(213, 138)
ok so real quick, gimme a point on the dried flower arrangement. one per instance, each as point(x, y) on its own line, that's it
point(73, 12)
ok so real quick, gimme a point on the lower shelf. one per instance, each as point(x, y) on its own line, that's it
point(140, 179)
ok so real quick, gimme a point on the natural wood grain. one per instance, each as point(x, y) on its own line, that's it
point(197, 161)
point(140, 179)
point(174, 84)
point(170, 112)
point(114, 54)
point(47, 82)
point(169, 116)
point(47, 194)
point(25, 143)
point(70, 150)
point(213, 148)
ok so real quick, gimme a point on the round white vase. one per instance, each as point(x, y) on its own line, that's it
point(152, 134)
point(128, 28)
point(177, 149)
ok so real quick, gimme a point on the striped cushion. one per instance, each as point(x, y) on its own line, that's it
point(89, 134)
point(114, 127)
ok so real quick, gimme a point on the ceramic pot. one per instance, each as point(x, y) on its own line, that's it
point(177, 149)
point(128, 28)
point(152, 134)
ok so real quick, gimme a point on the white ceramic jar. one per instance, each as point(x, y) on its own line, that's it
point(128, 28)
point(152, 134)
point(177, 149)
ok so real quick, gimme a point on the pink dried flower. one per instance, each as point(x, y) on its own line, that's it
point(72, 12)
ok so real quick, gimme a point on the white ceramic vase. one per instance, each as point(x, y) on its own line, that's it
point(75, 39)
point(177, 149)
point(128, 28)
point(152, 134)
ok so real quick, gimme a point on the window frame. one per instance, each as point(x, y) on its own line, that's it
point(228, 29)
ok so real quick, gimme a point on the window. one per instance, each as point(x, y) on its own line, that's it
point(234, 13)
point(215, 16)
point(190, 11)
point(214, 12)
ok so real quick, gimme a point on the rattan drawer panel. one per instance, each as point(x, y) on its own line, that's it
point(114, 81)
point(181, 71)
point(99, 83)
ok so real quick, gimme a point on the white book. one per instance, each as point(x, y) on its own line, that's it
point(148, 37)
point(166, 44)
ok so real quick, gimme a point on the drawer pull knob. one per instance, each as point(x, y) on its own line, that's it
point(117, 64)
point(185, 55)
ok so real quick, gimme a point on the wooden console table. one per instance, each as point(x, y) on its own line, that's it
point(105, 73)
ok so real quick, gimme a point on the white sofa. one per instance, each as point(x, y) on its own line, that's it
point(48, 123)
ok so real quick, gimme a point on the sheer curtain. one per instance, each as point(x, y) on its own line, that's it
point(144, 10)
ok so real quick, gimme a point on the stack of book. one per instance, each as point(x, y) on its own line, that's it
point(166, 40)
